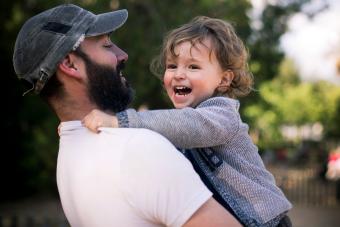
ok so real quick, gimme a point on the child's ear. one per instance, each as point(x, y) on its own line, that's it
point(226, 80)
point(68, 66)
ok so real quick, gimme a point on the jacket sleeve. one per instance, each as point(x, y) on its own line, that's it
point(214, 122)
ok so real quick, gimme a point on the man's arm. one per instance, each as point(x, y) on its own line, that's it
point(212, 214)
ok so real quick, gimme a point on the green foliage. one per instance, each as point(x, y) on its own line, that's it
point(265, 54)
point(287, 101)
point(264, 41)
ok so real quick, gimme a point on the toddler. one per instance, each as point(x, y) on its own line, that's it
point(203, 66)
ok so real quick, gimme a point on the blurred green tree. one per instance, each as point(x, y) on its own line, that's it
point(288, 101)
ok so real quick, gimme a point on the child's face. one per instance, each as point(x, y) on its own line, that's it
point(193, 75)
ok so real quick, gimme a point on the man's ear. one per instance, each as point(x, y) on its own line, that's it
point(69, 67)
point(227, 78)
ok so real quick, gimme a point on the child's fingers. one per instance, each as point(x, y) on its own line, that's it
point(84, 121)
point(94, 125)
point(90, 116)
point(90, 123)
point(87, 119)
point(95, 119)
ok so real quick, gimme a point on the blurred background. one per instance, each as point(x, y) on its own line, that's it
point(293, 114)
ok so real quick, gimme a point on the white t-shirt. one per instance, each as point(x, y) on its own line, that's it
point(125, 177)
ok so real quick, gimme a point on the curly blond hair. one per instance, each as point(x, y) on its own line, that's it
point(226, 45)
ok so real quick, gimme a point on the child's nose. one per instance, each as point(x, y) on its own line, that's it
point(179, 74)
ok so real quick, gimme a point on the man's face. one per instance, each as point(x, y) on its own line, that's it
point(107, 88)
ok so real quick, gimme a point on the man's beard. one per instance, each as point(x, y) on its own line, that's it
point(106, 88)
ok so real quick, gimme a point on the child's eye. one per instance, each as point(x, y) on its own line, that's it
point(194, 67)
point(171, 66)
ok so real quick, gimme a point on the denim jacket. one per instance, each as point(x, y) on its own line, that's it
point(223, 151)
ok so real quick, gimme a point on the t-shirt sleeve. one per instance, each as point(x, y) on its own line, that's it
point(159, 182)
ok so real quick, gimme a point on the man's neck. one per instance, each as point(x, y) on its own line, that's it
point(73, 110)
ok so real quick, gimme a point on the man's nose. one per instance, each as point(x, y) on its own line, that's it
point(120, 54)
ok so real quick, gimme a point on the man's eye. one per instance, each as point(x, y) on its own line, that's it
point(108, 45)
point(171, 66)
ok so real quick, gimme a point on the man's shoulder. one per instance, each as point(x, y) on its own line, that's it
point(138, 140)
point(138, 135)
point(150, 142)
point(143, 144)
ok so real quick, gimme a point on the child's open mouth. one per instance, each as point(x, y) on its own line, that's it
point(182, 90)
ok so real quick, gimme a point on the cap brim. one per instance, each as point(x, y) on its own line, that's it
point(107, 22)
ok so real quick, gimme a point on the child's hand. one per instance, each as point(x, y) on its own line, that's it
point(97, 118)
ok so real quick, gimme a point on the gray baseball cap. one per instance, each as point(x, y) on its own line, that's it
point(45, 39)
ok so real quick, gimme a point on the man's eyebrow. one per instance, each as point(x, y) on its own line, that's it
point(102, 39)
